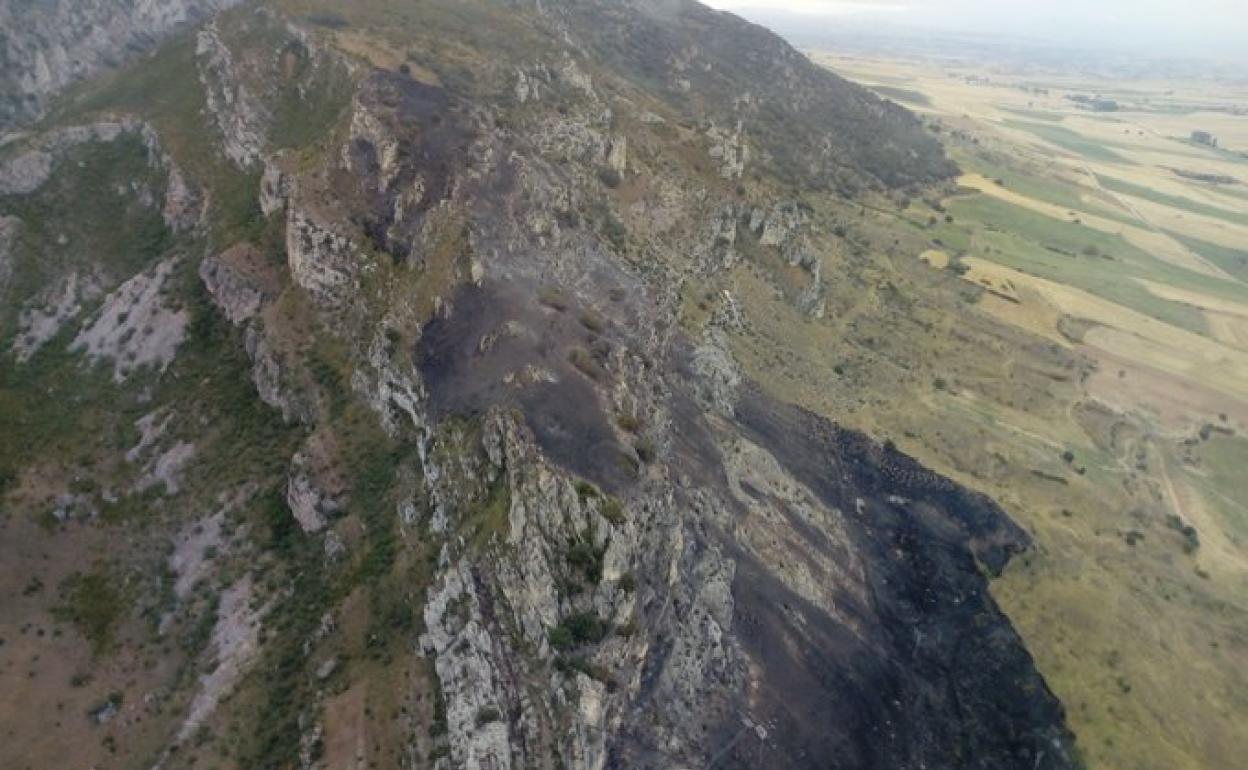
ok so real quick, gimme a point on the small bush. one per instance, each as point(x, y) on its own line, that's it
point(585, 362)
point(586, 627)
point(93, 606)
point(646, 450)
point(569, 665)
point(628, 423)
point(577, 629)
point(1191, 538)
point(610, 177)
point(328, 19)
point(613, 511)
point(553, 298)
point(561, 637)
point(586, 491)
point(583, 556)
point(486, 715)
point(592, 321)
point(615, 232)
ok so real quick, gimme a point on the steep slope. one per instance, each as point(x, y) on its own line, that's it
point(46, 46)
point(390, 441)
point(811, 126)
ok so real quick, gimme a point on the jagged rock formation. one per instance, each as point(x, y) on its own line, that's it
point(497, 460)
point(46, 46)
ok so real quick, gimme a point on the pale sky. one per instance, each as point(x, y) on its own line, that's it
point(1165, 26)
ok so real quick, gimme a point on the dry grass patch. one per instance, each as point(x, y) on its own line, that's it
point(935, 258)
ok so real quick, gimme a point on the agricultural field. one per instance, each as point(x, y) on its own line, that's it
point(1117, 240)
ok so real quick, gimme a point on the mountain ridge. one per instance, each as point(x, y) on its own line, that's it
point(434, 404)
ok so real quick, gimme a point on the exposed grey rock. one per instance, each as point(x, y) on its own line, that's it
point(395, 395)
point(529, 85)
point(574, 140)
point(73, 506)
point(152, 427)
point(240, 118)
point(718, 376)
point(782, 224)
point(274, 187)
point(42, 319)
point(322, 261)
point(234, 645)
point(105, 713)
point(309, 492)
point(465, 656)
point(723, 251)
point(190, 561)
point(183, 207)
point(166, 468)
point(238, 294)
point(46, 46)
point(270, 378)
point(730, 150)
point(24, 174)
point(135, 327)
point(327, 669)
point(637, 558)
point(571, 74)
point(617, 156)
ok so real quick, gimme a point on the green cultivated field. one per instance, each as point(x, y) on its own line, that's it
point(1071, 140)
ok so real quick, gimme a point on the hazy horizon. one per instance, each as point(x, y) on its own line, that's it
point(1160, 28)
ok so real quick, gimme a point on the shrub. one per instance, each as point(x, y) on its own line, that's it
point(93, 606)
point(610, 177)
point(613, 511)
point(615, 232)
point(487, 714)
point(561, 637)
point(583, 556)
point(1191, 538)
point(569, 665)
point(553, 298)
point(585, 362)
point(577, 629)
point(593, 322)
point(586, 491)
point(329, 19)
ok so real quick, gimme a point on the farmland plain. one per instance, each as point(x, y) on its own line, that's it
point(1115, 246)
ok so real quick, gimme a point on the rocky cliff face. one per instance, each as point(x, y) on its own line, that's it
point(455, 480)
point(48, 45)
